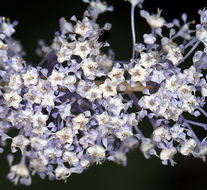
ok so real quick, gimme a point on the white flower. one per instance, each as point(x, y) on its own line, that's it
point(48, 99)
point(32, 96)
point(61, 172)
point(15, 81)
point(190, 104)
point(20, 141)
point(105, 62)
point(94, 93)
point(148, 60)
point(56, 78)
point(102, 118)
point(185, 91)
point(149, 102)
point(70, 157)
point(204, 90)
point(116, 75)
point(30, 77)
point(146, 146)
point(69, 80)
point(65, 112)
point(120, 157)
point(82, 49)
point(167, 154)
point(138, 73)
point(19, 172)
point(84, 28)
point(174, 55)
point(42, 86)
point(160, 133)
point(39, 164)
point(203, 152)
point(65, 135)
point(52, 152)
point(85, 163)
point(39, 119)
point(108, 88)
point(149, 39)
point(13, 99)
point(96, 151)
point(124, 132)
point(115, 104)
point(79, 122)
point(155, 21)
point(201, 34)
point(40, 130)
point(65, 26)
point(89, 68)
point(98, 7)
point(38, 143)
point(65, 51)
point(176, 130)
point(187, 147)
point(7, 29)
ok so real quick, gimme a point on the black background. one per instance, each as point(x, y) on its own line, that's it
point(39, 20)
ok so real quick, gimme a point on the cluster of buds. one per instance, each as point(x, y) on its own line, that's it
point(80, 107)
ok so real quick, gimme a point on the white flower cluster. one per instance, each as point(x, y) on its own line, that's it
point(80, 107)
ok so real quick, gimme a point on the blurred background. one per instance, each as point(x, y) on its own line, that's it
point(40, 20)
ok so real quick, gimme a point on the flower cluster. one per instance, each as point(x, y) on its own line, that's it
point(79, 106)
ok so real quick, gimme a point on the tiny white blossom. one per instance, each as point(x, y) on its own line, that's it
point(61, 172)
point(52, 152)
point(39, 119)
point(120, 157)
point(48, 99)
point(155, 21)
point(15, 81)
point(85, 163)
point(20, 141)
point(160, 133)
point(70, 157)
point(32, 96)
point(7, 29)
point(82, 49)
point(13, 99)
point(20, 172)
point(84, 28)
point(30, 77)
point(94, 93)
point(201, 34)
point(108, 88)
point(167, 154)
point(89, 68)
point(124, 132)
point(97, 152)
point(38, 143)
point(149, 39)
point(65, 52)
point(116, 75)
point(187, 147)
point(69, 80)
point(65, 112)
point(79, 122)
point(56, 78)
point(65, 135)
point(138, 73)
point(146, 147)
point(174, 55)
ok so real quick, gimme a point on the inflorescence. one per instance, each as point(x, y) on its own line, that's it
point(81, 107)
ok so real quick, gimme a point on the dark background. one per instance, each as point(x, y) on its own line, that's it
point(39, 20)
